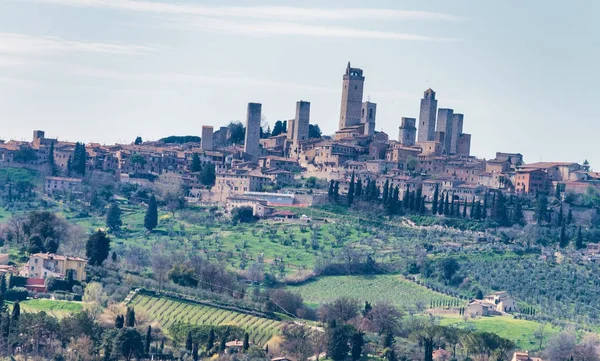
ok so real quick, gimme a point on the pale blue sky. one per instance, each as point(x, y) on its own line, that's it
point(524, 73)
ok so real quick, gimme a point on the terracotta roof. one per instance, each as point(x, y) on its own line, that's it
point(58, 257)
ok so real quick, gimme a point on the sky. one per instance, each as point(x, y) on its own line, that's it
point(524, 73)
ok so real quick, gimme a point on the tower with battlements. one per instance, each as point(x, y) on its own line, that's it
point(427, 116)
point(408, 132)
point(352, 95)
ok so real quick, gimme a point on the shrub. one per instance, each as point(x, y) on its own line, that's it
point(16, 294)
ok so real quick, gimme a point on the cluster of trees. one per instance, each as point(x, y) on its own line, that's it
point(76, 163)
point(36, 231)
point(207, 173)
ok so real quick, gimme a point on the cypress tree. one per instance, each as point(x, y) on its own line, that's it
point(148, 339)
point(560, 216)
point(563, 241)
point(386, 191)
point(223, 344)
point(336, 190)
point(464, 213)
point(434, 204)
point(358, 189)
point(16, 312)
point(246, 344)
point(357, 342)
point(330, 191)
point(499, 212)
point(210, 343)
point(351, 190)
point(151, 217)
point(472, 207)
point(442, 204)
point(579, 240)
point(130, 317)
point(196, 165)
point(452, 206)
point(518, 217)
point(195, 352)
point(51, 161)
point(113, 217)
point(189, 342)
point(485, 202)
point(406, 198)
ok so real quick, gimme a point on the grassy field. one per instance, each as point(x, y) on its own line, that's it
point(521, 332)
point(394, 289)
point(57, 308)
point(167, 311)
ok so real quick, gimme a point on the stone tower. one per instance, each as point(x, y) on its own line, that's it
point(427, 116)
point(352, 93)
point(408, 132)
point(457, 129)
point(367, 117)
point(253, 129)
point(444, 124)
point(464, 145)
point(300, 124)
point(206, 142)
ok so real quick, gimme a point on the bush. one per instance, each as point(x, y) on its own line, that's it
point(16, 281)
point(56, 284)
point(16, 294)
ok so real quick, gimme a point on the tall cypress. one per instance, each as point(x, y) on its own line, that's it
point(386, 191)
point(151, 217)
point(485, 202)
point(464, 213)
point(351, 190)
point(434, 204)
point(472, 208)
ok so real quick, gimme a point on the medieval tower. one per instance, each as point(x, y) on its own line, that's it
point(352, 94)
point(427, 116)
point(252, 139)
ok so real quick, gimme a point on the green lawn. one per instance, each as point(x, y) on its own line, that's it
point(53, 307)
point(394, 289)
point(519, 331)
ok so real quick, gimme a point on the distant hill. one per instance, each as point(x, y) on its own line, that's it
point(180, 139)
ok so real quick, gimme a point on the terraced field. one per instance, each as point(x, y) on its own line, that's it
point(394, 289)
point(168, 311)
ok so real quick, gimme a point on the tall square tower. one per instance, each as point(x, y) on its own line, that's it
point(352, 94)
point(300, 125)
point(206, 142)
point(408, 132)
point(444, 124)
point(457, 129)
point(252, 138)
point(367, 117)
point(427, 116)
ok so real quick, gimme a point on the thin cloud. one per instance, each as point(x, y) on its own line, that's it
point(22, 83)
point(298, 29)
point(283, 13)
point(185, 78)
point(21, 44)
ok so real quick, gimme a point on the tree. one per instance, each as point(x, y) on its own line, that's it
point(449, 267)
point(246, 343)
point(351, 190)
point(208, 175)
point(464, 212)
point(189, 341)
point(196, 165)
point(243, 214)
point(97, 248)
point(560, 216)
point(119, 321)
point(277, 128)
point(579, 239)
point(148, 339)
point(499, 213)
point(113, 218)
point(210, 342)
point(16, 312)
point(51, 161)
point(130, 317)
point(151, 217)
point(129, 343)
point(336, 191)
point(434, 204)
point(357, 342)
point(314, 131)
point(517, 215)
point(94, 299)
point(79, 159)
point(386, 191)
point(236, 133)
point(337, 341)
point(563, 241)
point(138, 140)
point(586, 166)
point(195, 352)
point(541, 208)
point(223, 343)
point(341, 309)
point(485, 206)
point(569, 216)
point(384, 317)
point(43, 230)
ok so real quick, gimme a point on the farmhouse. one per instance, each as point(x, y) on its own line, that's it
point(503, 302)
point(480, 308)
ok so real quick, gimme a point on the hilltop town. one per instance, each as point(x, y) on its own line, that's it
point(303, 245)
point(246, 165)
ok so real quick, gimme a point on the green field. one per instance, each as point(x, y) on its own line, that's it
point(167, 311)
point(53, 307)
point(521, 332)
point(394, 289)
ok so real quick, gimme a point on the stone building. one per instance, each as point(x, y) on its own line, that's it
point(408, 132)
point(464, 145)
point(367, 117)
point(300, 123)
point(444, 124)
point(206, 142)
point(427, 116)
point(251, 141)
point(457, 129)
point(352, 95)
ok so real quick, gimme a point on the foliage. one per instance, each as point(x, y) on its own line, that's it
point(180, 139)
point(16, 294)
point(113, 217)
point(151, 217)
point(97, 248)
point(242, 215)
